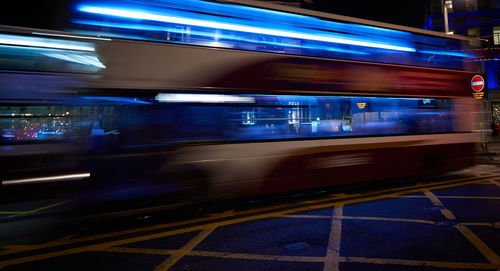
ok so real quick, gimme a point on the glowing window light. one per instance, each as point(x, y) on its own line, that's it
point(45, 43)
point(233, 27)
point(202, 98)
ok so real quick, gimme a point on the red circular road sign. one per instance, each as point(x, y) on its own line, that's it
point(477, 83)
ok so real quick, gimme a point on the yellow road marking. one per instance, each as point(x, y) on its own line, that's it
point(101, 246)
point(10, 212)
point(173, 259)
point(480, 245)
point(39, 209)
point(215, 254)
point(334, 240)
point(447, 213)
point(245, 256)
point(363, 218)
point(483, 224)
point(437, 185)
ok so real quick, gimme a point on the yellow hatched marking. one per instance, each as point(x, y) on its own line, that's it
point(215, 254)
point(437, 185)
point(101, 246)
point(483, 224)
point(185, 249)
point(245, 256)
point(447, 213)
point(334, 240)
point(466, 232)
point(363, 218)
point(479, 244)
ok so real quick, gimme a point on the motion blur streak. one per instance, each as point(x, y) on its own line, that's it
point(68, 177)
point(216, 25)
point(45, 43)
point(202, 98)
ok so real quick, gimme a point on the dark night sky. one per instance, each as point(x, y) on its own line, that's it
point(402, 12)
point(55, 14)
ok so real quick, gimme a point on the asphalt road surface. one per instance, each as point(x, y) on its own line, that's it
point(449, 222)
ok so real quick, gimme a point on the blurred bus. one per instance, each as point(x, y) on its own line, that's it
point(211, 100)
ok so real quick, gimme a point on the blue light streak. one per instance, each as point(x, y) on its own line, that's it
point(447, 53)
point(328, 38)
point(115, 99)
point(212, 35)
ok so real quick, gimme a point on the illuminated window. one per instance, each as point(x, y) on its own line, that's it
point(474, 32)
point(470, 5)
point(496, 35)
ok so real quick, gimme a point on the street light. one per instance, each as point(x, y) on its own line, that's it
point(447, 4)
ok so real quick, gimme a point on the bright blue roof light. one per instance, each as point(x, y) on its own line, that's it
point(132, 14)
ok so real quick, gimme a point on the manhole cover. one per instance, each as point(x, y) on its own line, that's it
point(297, 246)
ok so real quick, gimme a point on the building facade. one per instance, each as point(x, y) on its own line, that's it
point(479, 19)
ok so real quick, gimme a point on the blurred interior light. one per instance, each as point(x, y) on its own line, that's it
point(67, 177)
point(81, 59)
point(202, 98)
point(234, 27)
point(45, 43)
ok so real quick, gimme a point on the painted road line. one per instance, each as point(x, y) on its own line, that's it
point(437, 185)
point(481, 224)
point(263, 257)
point(334, 240)
point(452, 265)
point(11, 212)
point(447, 213)
point(15, 213)
point(407, 220)
point(215, 254)
point(101, 246)
point(173, 259)
point(479, 244)
point(40, 209)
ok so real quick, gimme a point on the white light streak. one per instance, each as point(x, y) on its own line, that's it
point(202, 98)
point(248, 29)
point(68, 177)
point(45, 43)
